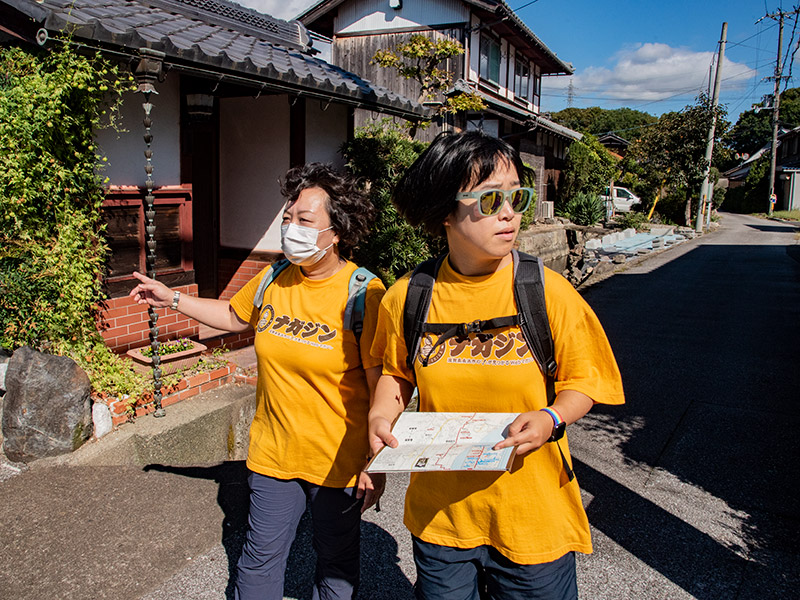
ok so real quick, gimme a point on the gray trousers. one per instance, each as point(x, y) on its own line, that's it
point(276, 506)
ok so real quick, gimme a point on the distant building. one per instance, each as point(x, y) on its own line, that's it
point(614, 144)
point(237, 98)
point(504, 62)
point(787, 169)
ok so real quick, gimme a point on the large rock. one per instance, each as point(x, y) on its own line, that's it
point(47, 409)
point(5, 356)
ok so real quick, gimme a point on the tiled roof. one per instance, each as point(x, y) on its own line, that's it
point(514, 112)
point(502, 7)
point(499, 8)
point(218, 36)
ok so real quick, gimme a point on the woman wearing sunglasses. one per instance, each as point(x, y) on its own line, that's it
point(499, 535)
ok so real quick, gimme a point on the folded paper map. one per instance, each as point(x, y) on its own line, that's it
point(446, 442)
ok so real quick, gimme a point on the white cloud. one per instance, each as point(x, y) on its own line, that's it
point(648, 72)
point(282, 9)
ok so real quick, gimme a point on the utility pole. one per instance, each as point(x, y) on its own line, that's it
point(706, 189)
point(780, 15)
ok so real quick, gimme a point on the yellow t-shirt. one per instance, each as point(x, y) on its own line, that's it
point(526, 514)
point(312, 395)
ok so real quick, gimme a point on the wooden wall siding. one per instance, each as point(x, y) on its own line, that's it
point(537, 164)
point(371, 15)
point(354, 54)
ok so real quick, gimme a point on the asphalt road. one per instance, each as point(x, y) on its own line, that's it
point(691, 487)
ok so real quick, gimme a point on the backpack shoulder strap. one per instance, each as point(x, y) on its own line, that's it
point(529, 296)
point(417, 304)
point(356, 301)
point(274, 270)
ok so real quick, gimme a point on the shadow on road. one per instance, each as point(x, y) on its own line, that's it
point(772, 228)
point(706, 344)
point(680, 552)
point(233, 497)
point(381, 576)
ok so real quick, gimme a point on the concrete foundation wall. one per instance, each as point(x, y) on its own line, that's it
point(547, 244)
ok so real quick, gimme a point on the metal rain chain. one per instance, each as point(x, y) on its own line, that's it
point(147, 72)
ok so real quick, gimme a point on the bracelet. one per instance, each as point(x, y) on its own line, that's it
point(176, 297)
point(559, 425)
point(557, 418)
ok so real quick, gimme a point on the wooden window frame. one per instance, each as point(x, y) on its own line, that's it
point(536, 85)
point(522, 99)
point(484, 77)
point(180, 196)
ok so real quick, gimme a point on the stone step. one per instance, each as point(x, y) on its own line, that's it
point(210, 428)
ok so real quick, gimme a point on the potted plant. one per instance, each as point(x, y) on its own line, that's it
point(175, 354)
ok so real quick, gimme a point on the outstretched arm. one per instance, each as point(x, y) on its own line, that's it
point(214, 313)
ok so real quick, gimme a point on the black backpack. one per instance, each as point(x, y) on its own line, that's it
point(531, 318)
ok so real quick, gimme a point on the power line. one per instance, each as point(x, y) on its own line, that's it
point(525, 6)
point(788, 46)
point(757, 33)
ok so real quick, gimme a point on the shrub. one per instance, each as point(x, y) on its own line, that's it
point(380, 154)
point(107, 372)
point(52, 251)
point(753, 196)
point(584, 209)
point(631, 220)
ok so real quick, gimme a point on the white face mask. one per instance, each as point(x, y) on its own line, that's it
point(299, 244)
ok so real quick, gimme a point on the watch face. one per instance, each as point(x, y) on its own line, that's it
point(558, 432)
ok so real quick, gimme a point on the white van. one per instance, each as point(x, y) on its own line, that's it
point(623, 199)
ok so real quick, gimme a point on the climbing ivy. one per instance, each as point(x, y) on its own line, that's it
point(52, 251)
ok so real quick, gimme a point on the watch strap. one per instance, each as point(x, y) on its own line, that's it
point(559, 425)
point(176, 297)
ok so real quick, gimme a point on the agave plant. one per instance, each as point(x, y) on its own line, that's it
point(584, 209)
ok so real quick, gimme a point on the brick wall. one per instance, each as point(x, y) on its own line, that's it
point(235, 273)
point(127, 324)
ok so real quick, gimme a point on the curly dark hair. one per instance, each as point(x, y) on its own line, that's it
point(350, 209)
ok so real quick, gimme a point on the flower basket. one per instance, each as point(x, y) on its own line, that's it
point(170, 363)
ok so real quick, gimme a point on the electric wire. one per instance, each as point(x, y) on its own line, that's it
point(791, 60)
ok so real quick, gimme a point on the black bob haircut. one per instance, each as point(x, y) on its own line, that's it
point(349, 208)
point(426, 194)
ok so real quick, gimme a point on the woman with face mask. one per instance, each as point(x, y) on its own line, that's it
point(510, 535)
point(308, 440)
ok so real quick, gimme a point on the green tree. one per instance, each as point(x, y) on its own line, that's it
point(625, 122)
point(52, 251)
point(753, 130)
point(589, 169)
point(420, 59)
point(673, 150)
point(380, 154)
point(750, 197)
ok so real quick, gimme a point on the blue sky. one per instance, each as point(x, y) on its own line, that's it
point(653, 56)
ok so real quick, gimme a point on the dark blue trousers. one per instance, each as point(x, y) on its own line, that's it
point(445, 573)
point(276, 506)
